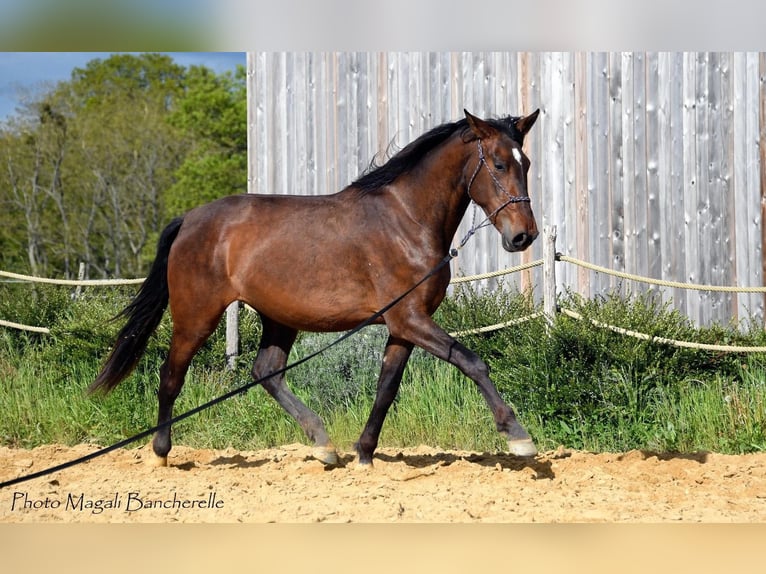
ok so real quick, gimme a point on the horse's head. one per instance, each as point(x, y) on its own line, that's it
point(498, 182)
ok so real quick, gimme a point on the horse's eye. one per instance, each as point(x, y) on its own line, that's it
point(499, 166)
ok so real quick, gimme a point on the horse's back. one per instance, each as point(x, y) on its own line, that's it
point(305, 261)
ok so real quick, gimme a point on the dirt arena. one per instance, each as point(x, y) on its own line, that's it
point(285, 485)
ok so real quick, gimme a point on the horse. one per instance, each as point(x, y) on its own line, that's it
point(326, 263)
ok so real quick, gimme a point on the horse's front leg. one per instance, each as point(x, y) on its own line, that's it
point(394, 360)
point(421, 330)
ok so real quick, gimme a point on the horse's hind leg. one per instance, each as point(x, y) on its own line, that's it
point(184, 344)
point(276, 342)
point(394, 360)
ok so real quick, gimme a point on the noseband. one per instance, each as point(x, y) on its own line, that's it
point(498, 185)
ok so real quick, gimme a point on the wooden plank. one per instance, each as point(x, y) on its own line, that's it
point(599, 166)
point(299, 166)
point(310, 123)
point(262, 160)
point(740, 174)
point(401, 106)
point(754, 303)
point(359, 147)
point(640, 200)
point(615, 167)
point(550, 131)
point(654, 231)
point(434, 112)
point(628, 178)
point(728, 255)
point(580, 153)
point(321, 130)
point(279, 133)
point(704, 239)
point(664, 167)
point(252, 113)
point(717, 193)
point(332, 122)
point(691, 237)
point(762, 161)
point(527, 99)
point(677, 261)
point(572, 213)
point(348, 157)
point(516, 100)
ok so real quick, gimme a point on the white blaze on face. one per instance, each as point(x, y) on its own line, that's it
point(517, 155)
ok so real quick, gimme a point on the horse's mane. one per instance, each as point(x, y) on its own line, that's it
point(379, 175)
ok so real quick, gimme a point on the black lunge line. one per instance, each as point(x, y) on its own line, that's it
point(229, 394)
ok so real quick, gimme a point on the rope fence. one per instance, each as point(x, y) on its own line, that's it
point(72, 282)
point(663, 340)
point(549, 304)
point(491, 274)
point(498, 326)
point(21, 327)
point(660, 282)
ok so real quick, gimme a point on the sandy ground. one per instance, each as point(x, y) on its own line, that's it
point(424, 484)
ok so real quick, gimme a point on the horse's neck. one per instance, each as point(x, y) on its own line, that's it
point(436, 194)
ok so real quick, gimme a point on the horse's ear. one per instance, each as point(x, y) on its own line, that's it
point(479, 127)
point(525, 124)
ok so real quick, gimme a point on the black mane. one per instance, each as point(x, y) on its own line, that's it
point(377, 176)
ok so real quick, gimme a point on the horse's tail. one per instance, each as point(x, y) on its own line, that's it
point(144, 313)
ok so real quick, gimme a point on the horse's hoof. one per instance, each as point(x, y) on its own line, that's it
point(522, 447)
point(158, 461)
point(326, 455)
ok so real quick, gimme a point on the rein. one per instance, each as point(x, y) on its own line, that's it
point(499, 186)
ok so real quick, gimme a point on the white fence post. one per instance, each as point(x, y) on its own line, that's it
point(549, 273)
point(80, 277)
point(232, 335)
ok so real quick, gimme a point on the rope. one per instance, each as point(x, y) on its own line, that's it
point(72, 282)
point(21, 327)
point(515, 269)
point(660, 282)
point(663, 340)
point(497, 326)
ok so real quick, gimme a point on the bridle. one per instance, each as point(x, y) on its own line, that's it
point(511, 198)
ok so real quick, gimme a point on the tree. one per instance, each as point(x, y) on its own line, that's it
point(128, 152)
point(91, 169)
point(213, 114)
point(33, 155)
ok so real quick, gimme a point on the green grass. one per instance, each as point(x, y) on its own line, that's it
point(722, 415)
point(572, 385)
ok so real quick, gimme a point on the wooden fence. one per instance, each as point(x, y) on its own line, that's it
point(649, 163)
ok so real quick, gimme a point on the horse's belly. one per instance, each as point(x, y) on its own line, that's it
point(312, 311)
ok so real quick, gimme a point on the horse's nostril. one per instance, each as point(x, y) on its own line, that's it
point(520, 240)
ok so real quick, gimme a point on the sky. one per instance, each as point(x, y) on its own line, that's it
point(21, 71)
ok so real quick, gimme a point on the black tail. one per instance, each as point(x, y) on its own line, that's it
point(144, 313)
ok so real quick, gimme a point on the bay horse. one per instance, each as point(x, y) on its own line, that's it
point(327, 263)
